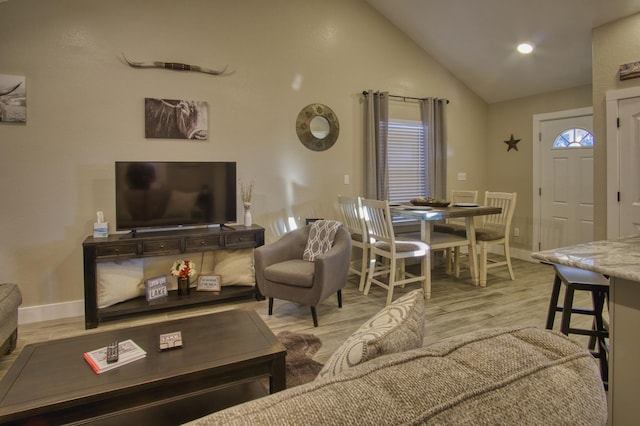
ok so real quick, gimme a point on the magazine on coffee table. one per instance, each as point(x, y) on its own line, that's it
point(128, 352)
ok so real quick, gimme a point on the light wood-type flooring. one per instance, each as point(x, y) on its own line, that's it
point(455, 307)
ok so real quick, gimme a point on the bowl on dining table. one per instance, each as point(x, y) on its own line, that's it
point(429, 202)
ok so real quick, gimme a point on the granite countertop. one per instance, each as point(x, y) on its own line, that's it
point(617, 258)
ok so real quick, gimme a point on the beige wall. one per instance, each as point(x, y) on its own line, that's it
point(512, 171)
point(85, 111)
point(614, 44)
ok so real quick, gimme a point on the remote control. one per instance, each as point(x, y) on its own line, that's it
point(112, 352)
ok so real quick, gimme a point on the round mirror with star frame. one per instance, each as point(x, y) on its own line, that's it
point(317, 127)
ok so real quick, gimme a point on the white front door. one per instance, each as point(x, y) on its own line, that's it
point(566, 182)
point(629, 133)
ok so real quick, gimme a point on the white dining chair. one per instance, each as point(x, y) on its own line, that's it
point(457, 224)
point(454, 226)
point(385, 244)
point(495, 230)
point(451, 244)
point(353, 221)
point(463, 196)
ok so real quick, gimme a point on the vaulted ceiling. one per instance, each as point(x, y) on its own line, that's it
point(476, 40)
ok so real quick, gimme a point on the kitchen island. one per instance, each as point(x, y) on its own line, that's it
point(618, 259)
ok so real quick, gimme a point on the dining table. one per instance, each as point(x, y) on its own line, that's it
point(618, 259)
point(428, 215)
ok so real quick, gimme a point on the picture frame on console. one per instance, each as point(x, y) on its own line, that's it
point(209, 283)
point(156, 288)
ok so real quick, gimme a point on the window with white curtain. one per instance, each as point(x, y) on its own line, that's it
point(406, 161)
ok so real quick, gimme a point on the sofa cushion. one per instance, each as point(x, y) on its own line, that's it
point(482, 234)
point(520, 375)
point(450, 228)
point(320, 238)
point(397, 327)
point(294, 272)
point(10, 299)
point(486, 234)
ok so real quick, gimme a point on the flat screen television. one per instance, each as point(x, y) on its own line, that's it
point(174, 194)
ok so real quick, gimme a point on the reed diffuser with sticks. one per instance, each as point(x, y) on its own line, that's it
point(246, 190)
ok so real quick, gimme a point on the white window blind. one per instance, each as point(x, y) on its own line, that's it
point(406, 157)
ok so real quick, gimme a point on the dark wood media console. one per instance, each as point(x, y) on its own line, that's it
point(161, 243)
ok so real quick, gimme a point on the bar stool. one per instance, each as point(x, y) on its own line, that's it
point(581, 279)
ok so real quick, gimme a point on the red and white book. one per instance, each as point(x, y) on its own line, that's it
point(128, 351)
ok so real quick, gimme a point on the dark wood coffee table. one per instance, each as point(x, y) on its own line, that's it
point(226, 359)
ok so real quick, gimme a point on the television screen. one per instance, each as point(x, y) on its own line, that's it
point(174, 194)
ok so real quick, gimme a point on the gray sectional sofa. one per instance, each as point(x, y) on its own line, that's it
point(519, 375)
point(10, 299)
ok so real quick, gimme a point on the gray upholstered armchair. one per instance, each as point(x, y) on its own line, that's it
point(281, 272)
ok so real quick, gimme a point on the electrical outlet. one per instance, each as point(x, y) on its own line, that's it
point(346, 179)
point(462, 176)
point(516, 232)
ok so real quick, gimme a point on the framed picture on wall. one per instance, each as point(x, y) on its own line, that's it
point(13, 98)
point(176, 119)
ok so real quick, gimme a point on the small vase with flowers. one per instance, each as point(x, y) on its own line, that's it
point(183, 270)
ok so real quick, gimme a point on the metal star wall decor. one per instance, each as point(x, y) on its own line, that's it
point(513, 143)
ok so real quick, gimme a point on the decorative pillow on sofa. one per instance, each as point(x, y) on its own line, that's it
point(119, 281)
point(320, 238)
point(235, 267)
point(396, 328)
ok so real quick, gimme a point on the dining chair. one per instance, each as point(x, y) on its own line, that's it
point(457, 224)
point(450, 226)
point(385, 244)
point(450, 244)
point(464, 196)
point(353, 221)
point(495, 230)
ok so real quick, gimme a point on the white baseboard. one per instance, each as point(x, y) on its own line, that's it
point(521, 254)
point(54, 311)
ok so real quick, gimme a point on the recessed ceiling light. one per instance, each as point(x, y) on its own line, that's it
point(525, 48)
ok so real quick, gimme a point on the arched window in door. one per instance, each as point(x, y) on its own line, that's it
point(574, 138)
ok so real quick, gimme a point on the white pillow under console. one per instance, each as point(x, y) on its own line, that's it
point(119, 281)
point(235, 267)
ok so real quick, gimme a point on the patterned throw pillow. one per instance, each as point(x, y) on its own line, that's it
point(396, 328)
point(320, 238)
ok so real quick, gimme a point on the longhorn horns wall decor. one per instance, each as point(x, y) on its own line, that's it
point(175, 66)
point(7, 90)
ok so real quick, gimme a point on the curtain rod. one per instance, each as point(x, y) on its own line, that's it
point(404, 98)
